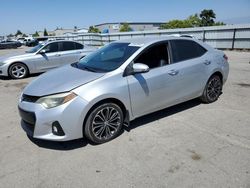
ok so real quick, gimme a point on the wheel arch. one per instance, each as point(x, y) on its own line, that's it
point(218, 73)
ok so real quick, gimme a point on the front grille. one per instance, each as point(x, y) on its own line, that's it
point(29, 98)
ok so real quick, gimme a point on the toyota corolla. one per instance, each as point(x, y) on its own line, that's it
point(97, 96)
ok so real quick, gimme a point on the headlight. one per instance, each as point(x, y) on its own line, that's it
point(55, 100)
point(1, 64)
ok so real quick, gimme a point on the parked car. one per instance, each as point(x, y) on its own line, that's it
point(7, 44)
point(32, 42)
point(21, 40)
point(42, 40)
point(43, 57)
point(27, 40)
point(97, 96)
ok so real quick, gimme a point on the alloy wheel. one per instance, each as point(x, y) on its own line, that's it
point(18, 71)
point(214, 88)
point(106, 123)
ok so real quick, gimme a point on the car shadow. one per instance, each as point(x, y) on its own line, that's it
point(79, 143)
point(162, 114)
point(64, 146)
point(9, 78)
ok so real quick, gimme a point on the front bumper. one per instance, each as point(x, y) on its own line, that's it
point(37, 121)
point(4, 70)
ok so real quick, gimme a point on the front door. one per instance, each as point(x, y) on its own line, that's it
point(48, 60)
point(152, 90)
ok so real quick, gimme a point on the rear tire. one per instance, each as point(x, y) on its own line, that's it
point(212, 90)
point(18, 71)
point(104, 123)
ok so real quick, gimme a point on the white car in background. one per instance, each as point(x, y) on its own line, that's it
point(43, 57)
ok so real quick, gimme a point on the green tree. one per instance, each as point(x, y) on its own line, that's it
point(45, 33)
point(93, 29)
point(125, 27)
point(176, 24)
point(24, 35)
point(35, 34)
point(207, 17)
point(194, 20)
point(18, 32)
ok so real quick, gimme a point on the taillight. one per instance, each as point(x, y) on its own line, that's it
point(225, 57)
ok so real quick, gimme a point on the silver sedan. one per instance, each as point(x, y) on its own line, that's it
point(97, 96)
point(43, 57)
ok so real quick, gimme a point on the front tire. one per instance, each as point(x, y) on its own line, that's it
point(18, 71)
point(212, 90)
point(104, 123)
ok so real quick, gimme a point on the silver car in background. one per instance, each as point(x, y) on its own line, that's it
point(43, 57)
point(123, 80)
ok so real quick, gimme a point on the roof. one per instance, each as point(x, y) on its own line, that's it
point(147, 40)
point(61, 40)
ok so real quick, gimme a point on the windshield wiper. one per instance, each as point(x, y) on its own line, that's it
point(84, 67)
point(89, 69)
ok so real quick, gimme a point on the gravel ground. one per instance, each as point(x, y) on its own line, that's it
point(188, 145)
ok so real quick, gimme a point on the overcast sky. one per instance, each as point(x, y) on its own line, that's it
point(31, 15)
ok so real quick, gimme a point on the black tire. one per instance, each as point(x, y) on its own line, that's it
point(212, 90)
point(18, 71)
point(98, 127)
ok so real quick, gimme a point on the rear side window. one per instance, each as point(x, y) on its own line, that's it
point(79, 46)
point(68, 46)
point(186, 49)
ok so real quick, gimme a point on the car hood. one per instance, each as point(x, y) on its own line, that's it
point(15, 56)
point(60, 80)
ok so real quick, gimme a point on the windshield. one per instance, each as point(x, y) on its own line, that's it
point(35, 49)
point(108, 58)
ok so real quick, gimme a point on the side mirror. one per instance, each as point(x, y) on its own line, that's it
point(140, 68)
point(42, 51)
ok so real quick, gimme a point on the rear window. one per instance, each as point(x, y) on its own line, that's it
point(186, 49)
point(68, 46)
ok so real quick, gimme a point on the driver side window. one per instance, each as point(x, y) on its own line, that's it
point(52, 47)
point(155, 56)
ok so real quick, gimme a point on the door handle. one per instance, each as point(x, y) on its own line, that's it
point(207, 62)
point(58, 55)
point(173, 72)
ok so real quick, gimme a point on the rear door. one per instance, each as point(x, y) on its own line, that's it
point(69, 52)
point(189, 61)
